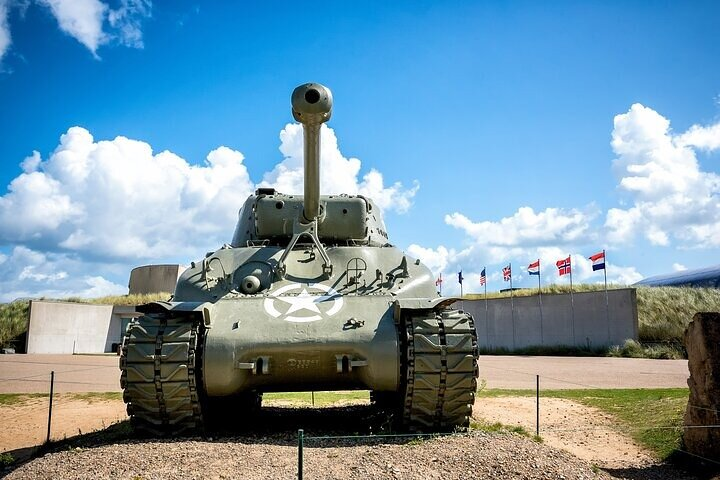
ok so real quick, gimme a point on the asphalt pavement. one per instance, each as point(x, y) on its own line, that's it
point(100, 373)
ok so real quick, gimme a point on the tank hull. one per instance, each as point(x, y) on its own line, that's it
point(297, 343)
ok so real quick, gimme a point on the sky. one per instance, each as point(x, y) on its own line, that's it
point(490, 133)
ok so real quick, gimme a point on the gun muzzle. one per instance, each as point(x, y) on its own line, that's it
point(311, 106)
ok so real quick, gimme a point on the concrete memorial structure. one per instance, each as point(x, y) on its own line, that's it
point(583, 319)
point(65, 327)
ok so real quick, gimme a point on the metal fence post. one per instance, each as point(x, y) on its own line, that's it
point(52, 384)
point(537, 405)
point(300, 454)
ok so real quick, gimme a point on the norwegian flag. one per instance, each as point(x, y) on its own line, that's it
point(438, 282)
point(507, 273)
point(483, 278)
point(563, 266)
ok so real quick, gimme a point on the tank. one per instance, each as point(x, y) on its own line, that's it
point(310, 295)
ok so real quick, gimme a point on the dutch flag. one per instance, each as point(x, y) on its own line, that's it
point(598, 261)
point(534, 268)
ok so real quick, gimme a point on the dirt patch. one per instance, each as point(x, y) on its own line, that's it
point(24, 424)
point(586, 432)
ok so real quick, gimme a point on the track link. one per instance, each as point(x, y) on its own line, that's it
point(159, 375)
point(441, 370)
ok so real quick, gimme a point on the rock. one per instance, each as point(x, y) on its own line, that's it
point(702, 340)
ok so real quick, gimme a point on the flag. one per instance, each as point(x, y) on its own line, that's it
point(438, 282)
point(598, 261)
point(460, 277)
point(483, 279)
point(534, 268)
point(507, 273)
point(563, 266)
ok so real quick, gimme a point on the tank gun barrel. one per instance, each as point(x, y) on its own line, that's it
point(311, 106)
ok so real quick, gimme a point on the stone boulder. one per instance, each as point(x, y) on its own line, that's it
point(702, 340)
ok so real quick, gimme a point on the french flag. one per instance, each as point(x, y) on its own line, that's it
point(598, 261)
point(534, 268)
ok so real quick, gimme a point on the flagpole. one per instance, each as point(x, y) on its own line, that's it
point(572, 303)
point(487, 328)
point(607, 302)
point(540, 303)
point(512, 306)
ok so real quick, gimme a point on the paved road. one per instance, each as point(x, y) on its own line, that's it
point(100, 373)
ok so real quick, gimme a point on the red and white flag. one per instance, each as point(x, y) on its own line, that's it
point(438, 282)
point(507, 273)
point(483, 278)
point(563, 266)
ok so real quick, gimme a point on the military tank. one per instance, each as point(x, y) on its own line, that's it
point(310, 295)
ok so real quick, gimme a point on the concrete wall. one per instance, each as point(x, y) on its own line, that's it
point(61, 327)
point(154, 278)
point(580, 320)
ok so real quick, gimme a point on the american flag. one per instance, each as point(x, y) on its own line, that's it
point(563, 266)
point(483, 279)
point(507, 273)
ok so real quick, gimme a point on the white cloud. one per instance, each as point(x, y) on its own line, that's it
point(678, 267)
point(84, 20)
point(81, 19)
point(5, 38)
point(706, 138)
point(525, 227)
point(29, 273)
point(435, 259)
point(673, 199)
point(337, 175)
point(116, 199)
point(127, 20)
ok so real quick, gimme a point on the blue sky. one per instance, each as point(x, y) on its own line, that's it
point(492, 132)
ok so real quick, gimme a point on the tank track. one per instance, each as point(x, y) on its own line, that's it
point(441, 370)
point(159, 375)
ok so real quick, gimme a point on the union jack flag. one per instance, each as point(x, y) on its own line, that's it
point(563, 266)
point(483, 279)
point(507, 273)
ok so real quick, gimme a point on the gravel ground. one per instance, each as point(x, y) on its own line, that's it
point(477, 454)
point(267, 448)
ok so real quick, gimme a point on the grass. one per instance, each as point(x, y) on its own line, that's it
point(13, 321)
point(321, 398)
point(8, 399)
point(652, 417)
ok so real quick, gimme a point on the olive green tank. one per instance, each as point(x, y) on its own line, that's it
point(310, 295)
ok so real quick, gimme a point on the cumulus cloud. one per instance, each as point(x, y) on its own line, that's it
point(28, 273)
point(119, 200)
point(525, 227)
point(337, 175)
point(672, 198)
point(5, 38)
point(117, 203)
point(84, 20)
point(678, 267)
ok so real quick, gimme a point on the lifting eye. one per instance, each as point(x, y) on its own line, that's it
point(279, 205)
